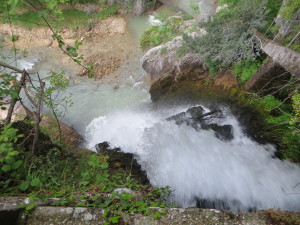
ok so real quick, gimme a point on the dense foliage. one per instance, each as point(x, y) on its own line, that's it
point(230, 35)
point(75, 178)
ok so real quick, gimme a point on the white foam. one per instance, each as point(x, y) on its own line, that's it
point(241, 172)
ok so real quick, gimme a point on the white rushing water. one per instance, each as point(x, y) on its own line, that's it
point(239, 174)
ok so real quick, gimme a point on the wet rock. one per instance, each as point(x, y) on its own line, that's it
point(102, 147)
point(127, 161)
point(179, 118)
point(196, 118)
point(223, 132)
point(195, 112)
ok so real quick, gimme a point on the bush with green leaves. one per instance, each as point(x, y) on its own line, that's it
point(10, 161)
point(285, 124)
point(8, 89)
point(84, 180)
point(230, 34)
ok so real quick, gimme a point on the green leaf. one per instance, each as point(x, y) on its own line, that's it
point(9, 160)
point(35, 182)
point(114, 219)
point(31, 206)
point(14, 95)
point(24, 186)
point(17, 164)
point(157, 215)
point(13, 153)
point(6, 168)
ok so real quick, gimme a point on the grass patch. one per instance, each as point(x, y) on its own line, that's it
point(160, 34)
point(245, 69)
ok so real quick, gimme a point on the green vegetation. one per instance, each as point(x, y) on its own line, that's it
point(245, 69)
point(230, 35)
point(160, 34)
point(283, 118)
point(69, 17)
point(77, 178)
point(14, 38)
point(290, 8)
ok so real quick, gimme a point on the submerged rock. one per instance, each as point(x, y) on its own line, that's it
point(223, 132)
point(199, 120)
point(195, 112)
point(102, 147)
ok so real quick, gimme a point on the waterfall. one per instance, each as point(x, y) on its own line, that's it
point(201, 169)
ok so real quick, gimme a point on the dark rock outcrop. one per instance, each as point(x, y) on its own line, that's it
point(127, 161)
point(199, 120)
point(223, 132)
point(270, 77)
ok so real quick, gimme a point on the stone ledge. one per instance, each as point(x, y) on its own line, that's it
point(45, 215)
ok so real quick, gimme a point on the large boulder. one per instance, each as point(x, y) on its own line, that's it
point(166, 66)
point(164, 60)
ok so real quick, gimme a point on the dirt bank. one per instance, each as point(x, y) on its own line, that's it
point(107, 44)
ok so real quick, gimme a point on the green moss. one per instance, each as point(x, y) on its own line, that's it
point(245, 69)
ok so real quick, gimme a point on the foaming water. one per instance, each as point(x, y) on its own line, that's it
point(201, 169)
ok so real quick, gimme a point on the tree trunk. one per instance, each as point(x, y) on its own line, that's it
point(14, 100)
point(35, 149)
